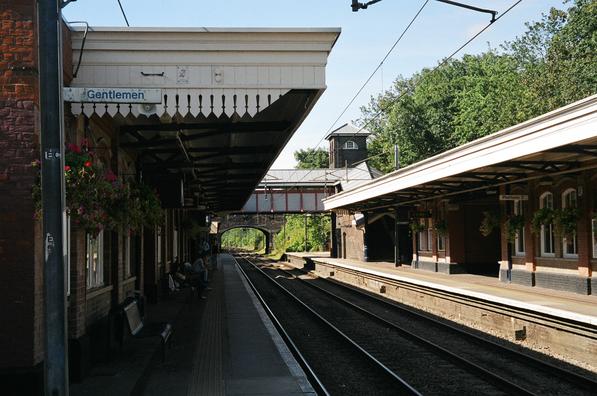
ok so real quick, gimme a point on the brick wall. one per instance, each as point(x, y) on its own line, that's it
point(20, 284)
point(351, 238)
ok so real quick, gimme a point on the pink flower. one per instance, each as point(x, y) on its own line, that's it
point(74, 148)
point(87, 164)
point(110, 176)
point(66, 168)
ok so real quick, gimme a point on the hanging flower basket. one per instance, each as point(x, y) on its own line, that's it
point(514, 224)
point(97, 200)
point(565, 221)
point(489, 223)
point(441, 227)
point(542, 217)
point(415, 226)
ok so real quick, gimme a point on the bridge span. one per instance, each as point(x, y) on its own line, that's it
point(290, 191)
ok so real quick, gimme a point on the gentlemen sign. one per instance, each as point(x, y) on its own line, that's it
point(112, 95)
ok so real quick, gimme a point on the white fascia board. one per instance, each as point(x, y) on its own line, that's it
point(567, 125)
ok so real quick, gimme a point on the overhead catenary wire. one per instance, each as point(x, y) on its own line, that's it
point(123, 13)
point(442, 63)
point(388, 53)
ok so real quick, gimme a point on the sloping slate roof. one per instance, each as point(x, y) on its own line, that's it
point(290, 177)
point(348, 130)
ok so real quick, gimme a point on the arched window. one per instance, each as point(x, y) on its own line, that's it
point(350, 145)
point(570, 200)
point(519, 237)
point(547, 235)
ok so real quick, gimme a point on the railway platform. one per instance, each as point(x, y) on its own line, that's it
point(560, 324)
point(223, 345)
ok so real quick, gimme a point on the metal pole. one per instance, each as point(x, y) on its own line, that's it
point(365, 237)
point(396, 239)
point(305, 233)
point(52, 182)
point(333, 235)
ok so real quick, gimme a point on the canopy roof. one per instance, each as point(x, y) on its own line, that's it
point(560, 142)
point(230, 99)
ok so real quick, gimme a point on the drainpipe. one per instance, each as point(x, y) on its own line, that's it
point(365, 237)
point(396, 240)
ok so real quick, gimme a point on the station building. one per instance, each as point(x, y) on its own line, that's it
point(197, 114)
point(520, 204)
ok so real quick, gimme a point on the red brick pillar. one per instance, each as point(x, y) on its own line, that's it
point(584, 226)
point(21, 283)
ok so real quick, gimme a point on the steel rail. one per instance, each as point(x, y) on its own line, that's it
point(313, 379)
point(563, 373)
point(401, 382)
point(482, 372)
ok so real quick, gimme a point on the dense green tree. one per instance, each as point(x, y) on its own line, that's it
point(292, 237)
point(553, 63)
point(243, 238)
point(312, 158)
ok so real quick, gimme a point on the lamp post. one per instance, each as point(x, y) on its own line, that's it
point(307, 215)
point(52, 191)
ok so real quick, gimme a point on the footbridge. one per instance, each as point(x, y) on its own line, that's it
point(290, 191)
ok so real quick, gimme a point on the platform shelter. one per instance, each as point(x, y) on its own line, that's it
point(520, 204)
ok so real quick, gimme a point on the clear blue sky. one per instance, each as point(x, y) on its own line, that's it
point(366, 37)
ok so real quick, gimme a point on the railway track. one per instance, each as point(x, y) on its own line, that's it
point(426, 366)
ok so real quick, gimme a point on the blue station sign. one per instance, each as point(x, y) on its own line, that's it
point(112, 95)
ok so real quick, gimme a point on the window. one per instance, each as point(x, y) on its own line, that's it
point(422, 236)
point(547, 235)
point(159, 245)
point(519, 238)
point(175, 245)
point(350, 145)
point(426, 236)
point(95, 260)
point(569, 200)
point(441, 242)
point(127, 257)
point(594, 222)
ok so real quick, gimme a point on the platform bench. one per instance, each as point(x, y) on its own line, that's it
point(141, 330)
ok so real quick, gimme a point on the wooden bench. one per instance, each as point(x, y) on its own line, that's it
point(140, 330)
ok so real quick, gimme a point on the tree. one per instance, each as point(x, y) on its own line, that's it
point(552, 64)
point(312, 158)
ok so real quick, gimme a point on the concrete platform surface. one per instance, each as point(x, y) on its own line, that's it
point(224, 344)
point(551, 302)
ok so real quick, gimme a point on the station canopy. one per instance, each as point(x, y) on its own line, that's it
point(211, 107)
point(561, 142)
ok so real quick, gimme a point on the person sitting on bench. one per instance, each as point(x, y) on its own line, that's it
point(197, 274)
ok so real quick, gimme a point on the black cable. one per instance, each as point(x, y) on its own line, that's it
point(82, 45)
point(123, 13)
point(443, 62)
point(370, 76)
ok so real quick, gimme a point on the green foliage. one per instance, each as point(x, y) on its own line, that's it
point(416, 226)
point(513, 226)
point(566, 221)
point(441, 227)
point(552, 64)
point(489, 223)
point(243, 238)
point(542, 217)
point(97, 200)
point(292, 238)
point(312, 158)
